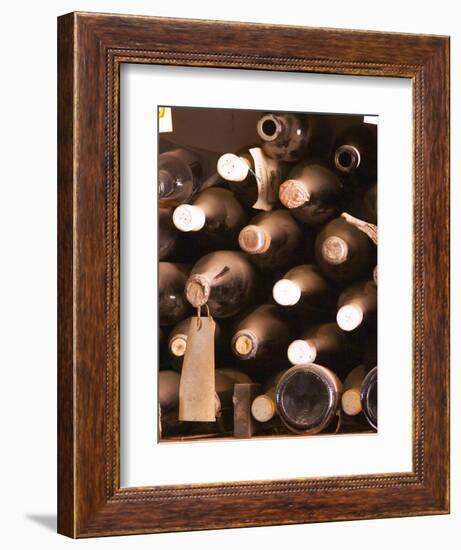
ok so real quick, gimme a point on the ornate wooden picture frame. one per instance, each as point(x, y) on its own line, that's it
point(92, 48)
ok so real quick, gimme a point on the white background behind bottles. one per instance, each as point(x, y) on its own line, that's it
point(28, 280)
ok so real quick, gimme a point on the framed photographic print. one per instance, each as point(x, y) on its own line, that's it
point(225, 296)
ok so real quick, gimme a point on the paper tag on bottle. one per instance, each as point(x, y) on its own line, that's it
point(268, 177)
point(165, 120)
point(370, 229)
point(197, 401)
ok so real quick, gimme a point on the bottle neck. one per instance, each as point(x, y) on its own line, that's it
point(347, 158)
point(301, 352)
point(178, 345)
point(198, 290)
point(168, 185)
point(294, 194)
point(189, 217)
point(263, 408)
point(270, 127)
point(335, 250)
point(254, 239)
point(349, 317)
point(245, 344)
point(177, 178)
point(286, 292)
point(233, 167)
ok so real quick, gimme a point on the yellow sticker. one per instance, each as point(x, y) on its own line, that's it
point(165, 119)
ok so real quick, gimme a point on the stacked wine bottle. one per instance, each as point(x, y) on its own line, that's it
point(277, 243)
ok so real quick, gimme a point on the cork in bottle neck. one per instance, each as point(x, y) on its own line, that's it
point(245, 344)
point(301, 352)
point(232, 167)
point(263, 408)
point(335, 250)
point(254, 239)
point(293, 194)
point(286, 292)
point(178, 345)
point(351, 403)
point(349, 317)
point(198, 290)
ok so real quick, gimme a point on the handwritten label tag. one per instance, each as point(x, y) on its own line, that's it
point(197, 402)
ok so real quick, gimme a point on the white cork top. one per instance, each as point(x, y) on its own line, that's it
point(301, 352)
point(263, 408)
point(286, 292)
point(349, 317)
point(232, 167)
point(188, 217)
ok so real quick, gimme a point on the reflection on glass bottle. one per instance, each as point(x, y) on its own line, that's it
point(286, 136)
point(369, 397)
point(172, 303)
point(183, 172)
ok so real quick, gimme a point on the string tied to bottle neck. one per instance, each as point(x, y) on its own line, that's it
point(253, 173)
point(199, 315)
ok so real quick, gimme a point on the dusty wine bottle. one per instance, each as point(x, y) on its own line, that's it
point(289, 137)
point(172, 304)
point(224, 280)
point(344, 252)
point(350, 399)
point(369, 397)
point(253, 177)
point(305, 289)
point(369, 211)
point(357, 306)
point(312, 193)
point(216, 213)
point(286, 136)
point(162, 354)
point(237, 376)
point(325, 344)
point(264, 407)
point(356, 152)
point(167, 234)
point(262, 336)
point(179, 176)
point(308, 398)
point(182, 173)
point(168, 389)
point(272, 240)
